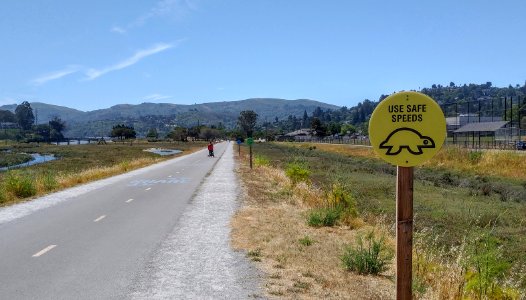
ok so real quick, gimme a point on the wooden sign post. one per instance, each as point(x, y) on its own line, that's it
point(239, 147)
point(404, 231)
point(406, 129)
point(250, 141)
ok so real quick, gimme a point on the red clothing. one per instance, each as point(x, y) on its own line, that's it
point(210, 147)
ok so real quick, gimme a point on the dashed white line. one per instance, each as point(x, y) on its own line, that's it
point(129, 200)
point(99, 218)
point(148, 189)
point(43, 251)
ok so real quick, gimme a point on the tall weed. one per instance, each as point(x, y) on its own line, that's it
point(21, 185)
point(369, 256)
point(486, 268)
point(342, 200)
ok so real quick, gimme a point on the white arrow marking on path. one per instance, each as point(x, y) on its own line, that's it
point(43, 251)
point(99, 218)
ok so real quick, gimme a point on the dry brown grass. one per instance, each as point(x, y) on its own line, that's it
point(92, 174)
point(345, 149)
point(504, 163)
point(270, 225)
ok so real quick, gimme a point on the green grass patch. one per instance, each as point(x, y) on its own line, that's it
point(8, 159)
point(261, 160)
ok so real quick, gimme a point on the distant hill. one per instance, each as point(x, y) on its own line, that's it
point(146, 115)
point(45, 112)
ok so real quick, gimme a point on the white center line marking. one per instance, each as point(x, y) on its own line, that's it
point(148, 189)
point(129, 200)
point(99, 218)
point(43, 251)
point(170, 176)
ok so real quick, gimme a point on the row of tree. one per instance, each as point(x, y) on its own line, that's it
point(23, 120)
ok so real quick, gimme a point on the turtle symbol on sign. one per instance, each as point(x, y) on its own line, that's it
point(406, 138)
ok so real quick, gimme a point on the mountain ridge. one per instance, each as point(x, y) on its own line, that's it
point(84, 123)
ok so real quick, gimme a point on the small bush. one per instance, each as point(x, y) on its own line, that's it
point(297, 172)
point(306, 241)
point(19, 184)
point(324, 217)
point(368, 257)
point(340, 199)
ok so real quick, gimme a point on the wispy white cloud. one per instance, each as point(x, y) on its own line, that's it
point(175, 9)
point(55, 75)
point(118, 29)
point(139, 55)
point(155, 97)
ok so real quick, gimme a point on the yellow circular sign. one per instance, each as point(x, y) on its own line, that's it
point(407, 129)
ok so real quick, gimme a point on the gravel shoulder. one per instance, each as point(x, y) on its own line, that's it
point(196, 260)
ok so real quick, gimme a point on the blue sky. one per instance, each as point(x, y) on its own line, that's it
point(94, 54)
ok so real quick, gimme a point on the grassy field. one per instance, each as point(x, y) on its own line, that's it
point(77, 164)
point(470, 219)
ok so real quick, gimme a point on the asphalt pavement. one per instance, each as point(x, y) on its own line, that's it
point(100, 240)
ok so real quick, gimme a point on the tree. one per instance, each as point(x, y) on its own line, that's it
point(152, 134)
point(56, 126)
point(24, 115)
point(319, 128)
point(179, 134)
point(7, 116)
point(209, 134)
point(123, 132)
point(42, 133)
point(347, 128)
point(247, 121)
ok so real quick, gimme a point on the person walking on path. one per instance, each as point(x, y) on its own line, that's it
point(211, 149)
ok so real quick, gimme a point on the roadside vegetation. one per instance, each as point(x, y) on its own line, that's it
point(76, 164)
point(324, 217)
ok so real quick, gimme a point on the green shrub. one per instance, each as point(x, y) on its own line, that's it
point(486, 268)
point(297, 172)
point(370, 256)
point(20, 184)
point(327, 216)
point(343, 201)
